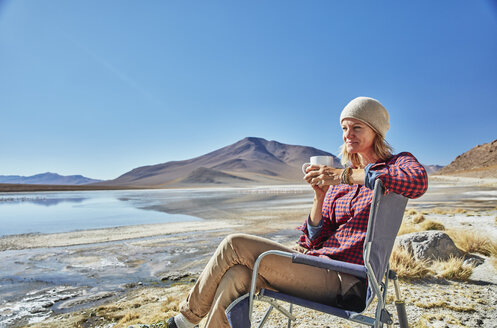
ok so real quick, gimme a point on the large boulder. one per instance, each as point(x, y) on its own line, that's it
point(429, 245)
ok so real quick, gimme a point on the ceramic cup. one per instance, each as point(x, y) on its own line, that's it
point(318, 160)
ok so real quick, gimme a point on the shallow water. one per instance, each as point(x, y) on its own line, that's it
point(51, 212)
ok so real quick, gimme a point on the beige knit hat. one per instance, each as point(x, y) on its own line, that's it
point(369, 111)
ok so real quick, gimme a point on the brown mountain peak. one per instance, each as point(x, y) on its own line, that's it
point(480, 162)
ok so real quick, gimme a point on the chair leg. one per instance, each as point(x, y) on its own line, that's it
point(289, 325)
point(399, 302)
point(274, 305)
point(266, 316)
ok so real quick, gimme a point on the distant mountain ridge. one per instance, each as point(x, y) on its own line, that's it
point(430, 169)
point(478, 162)
point(248, 161)
point(47, 178)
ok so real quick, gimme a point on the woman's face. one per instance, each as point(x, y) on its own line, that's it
point(358, 136)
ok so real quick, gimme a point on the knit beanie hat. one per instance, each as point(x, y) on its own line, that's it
point(369, 111)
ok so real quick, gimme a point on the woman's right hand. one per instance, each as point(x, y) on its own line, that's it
point(320, 189)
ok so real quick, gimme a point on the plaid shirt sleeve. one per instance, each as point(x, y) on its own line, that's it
point(402, 174)
point(346, 208)
point(327, 226)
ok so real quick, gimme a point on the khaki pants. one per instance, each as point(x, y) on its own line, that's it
point(229, 271)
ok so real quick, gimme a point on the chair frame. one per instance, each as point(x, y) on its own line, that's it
point(375, 287)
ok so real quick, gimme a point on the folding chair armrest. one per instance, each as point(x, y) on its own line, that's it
point(324, 263)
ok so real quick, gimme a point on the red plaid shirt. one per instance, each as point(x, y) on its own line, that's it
point(346, 208)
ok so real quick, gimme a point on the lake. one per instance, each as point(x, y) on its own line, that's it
point(52, 212)
point(49, 212)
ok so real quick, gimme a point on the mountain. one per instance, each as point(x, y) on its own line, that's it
point(248, 161)
point(430, 169)
point(478, 162)
point(47, 179)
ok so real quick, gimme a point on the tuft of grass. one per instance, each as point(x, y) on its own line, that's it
point(130, 316)
point(432, 225)
point(471, 241)
point(406, 266)
point(440, 211)
point(426, 320)
point(418, 218)
point(452, 269)
point(171, 303)
point(407, 227)
point(411, 211)
point(445, 305)
point(445, 211)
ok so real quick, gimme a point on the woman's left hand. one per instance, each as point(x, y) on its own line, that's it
point(321, 175)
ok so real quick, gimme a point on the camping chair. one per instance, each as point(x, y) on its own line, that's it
point(385, 217)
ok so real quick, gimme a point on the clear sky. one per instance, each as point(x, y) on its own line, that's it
point(100, 87)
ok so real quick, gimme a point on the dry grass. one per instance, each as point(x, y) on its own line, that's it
point(148, 306)
point(409, 268)
point(452, 269)
point(445, 211)
point(128, 317)
point(419, 223)
point(446, 305)
point(418, 218)
point(427, 319)
point(406, 266)
point(440, 211)
point(408, 227)
point(432, 225)
point(410, 211)
point(471, 241)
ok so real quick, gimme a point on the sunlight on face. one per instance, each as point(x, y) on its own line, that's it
point(358, 136)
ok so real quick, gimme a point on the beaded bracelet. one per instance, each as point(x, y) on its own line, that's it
point(345, 176)
point(342, 180)
point(349, 172)
point(342, 176)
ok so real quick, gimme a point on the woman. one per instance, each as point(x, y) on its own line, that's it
point(336, 226)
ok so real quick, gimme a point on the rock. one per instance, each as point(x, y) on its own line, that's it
point(85, 299)
point(429, 245)
point(131, 285)
point(474, 260)
point(128, 285)
point(175, 276)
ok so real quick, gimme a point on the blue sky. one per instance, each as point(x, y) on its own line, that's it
point(101, 87)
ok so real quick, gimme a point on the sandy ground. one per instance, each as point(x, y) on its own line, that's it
point(153, 257)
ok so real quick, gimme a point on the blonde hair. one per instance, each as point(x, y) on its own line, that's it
point(381, 148)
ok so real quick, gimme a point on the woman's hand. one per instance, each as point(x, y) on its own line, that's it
point(321, 177)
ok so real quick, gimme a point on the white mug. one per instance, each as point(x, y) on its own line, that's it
point(318, 160)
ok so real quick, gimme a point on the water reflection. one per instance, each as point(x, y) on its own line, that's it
point(39, 200)
point(52, 212)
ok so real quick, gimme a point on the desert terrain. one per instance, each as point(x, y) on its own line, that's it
point(434, 299)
